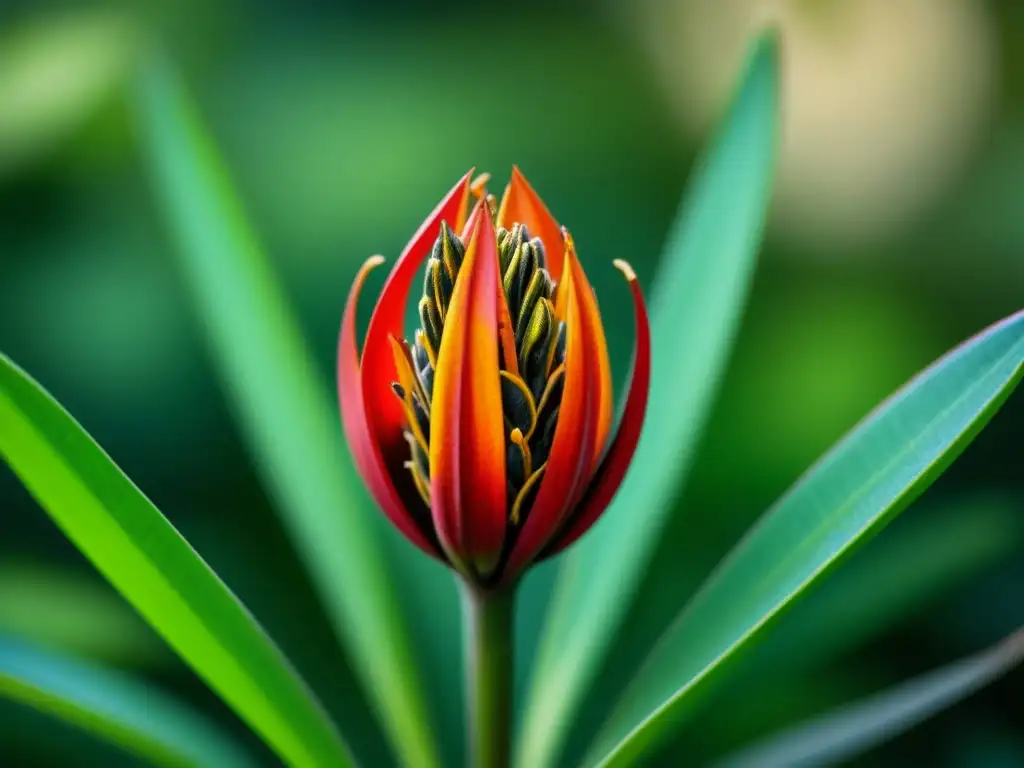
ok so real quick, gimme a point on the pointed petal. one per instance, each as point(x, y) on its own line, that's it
point(505, 331)
point(568, 465)
point(385, 416)
point(467, 440)
point(506, 334)
point(615, 463)
point(469, 225)
point(599, 350)
point(365, 450)
point(520, 204)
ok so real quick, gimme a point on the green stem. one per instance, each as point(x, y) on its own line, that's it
point(488, 621)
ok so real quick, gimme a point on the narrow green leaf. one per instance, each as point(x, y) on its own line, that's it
point(156, 570)
point(114, 707)
point(282, 405)
point(696, 304)
point(77, 613)
point(846, 733)
point(858, 486)
point(885, 584)
point(882, 587)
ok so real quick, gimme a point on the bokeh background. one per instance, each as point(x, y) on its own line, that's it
point(897, 230)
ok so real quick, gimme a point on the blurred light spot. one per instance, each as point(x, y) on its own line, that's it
point(54, 73)
point(883, 100)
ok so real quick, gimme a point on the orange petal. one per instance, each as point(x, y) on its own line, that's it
point(384, 415)
point(478, 187)
point(615, 463)
point(520, 204)
point(410, 385)
point(469, 225)
point(506, 333)
point(467, 440)
point(568, 465)
point(365, 450)
point(598, 350)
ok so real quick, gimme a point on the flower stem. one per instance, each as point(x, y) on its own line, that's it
point(488, 623)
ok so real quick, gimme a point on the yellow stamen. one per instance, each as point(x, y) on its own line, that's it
point(423, 341)
point(416, 381)
point(550, 387)
point(419, 481)
point(519, 441)
point(403, 364)
point(521, 386)
point(527, 488)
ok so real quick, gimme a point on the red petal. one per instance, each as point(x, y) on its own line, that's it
point(568, 465)
point(520, 204)
point(598, 352)
point(364, 448)
point(467, 437)
point(384, 415)
point(613, 468)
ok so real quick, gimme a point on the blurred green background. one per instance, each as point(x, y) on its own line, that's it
point(897, 231)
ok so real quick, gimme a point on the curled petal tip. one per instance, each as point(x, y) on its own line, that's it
point(478, 186)
point(375, 423)
point(366, 449)
point(624, 267)
point(364, 270)
point(605, 481)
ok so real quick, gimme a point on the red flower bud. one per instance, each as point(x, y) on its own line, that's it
point(487, 440)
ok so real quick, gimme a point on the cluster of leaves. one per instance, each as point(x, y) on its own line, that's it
point(285, 413)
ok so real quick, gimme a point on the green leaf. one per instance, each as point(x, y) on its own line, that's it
point(858, 486)
point(885, 584)
point(148, 561)
point(127, 712)
point(696, 304)
point(75, 612)
point(282, 405)
point(846, 733)
point(924, 559)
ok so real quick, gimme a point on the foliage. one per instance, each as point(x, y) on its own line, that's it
point(283, 412)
